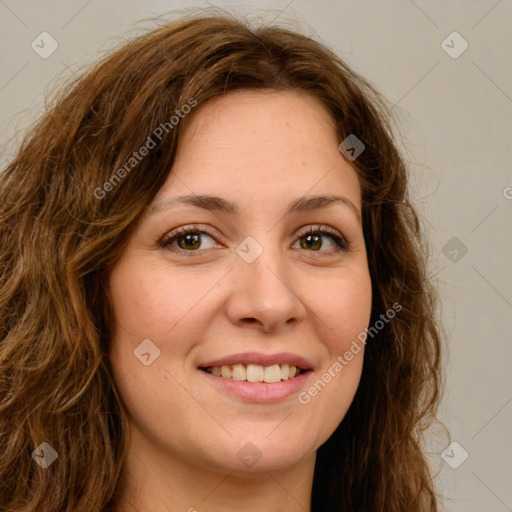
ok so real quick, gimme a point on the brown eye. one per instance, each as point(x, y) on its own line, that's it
point(311, 240)
point(187, 239)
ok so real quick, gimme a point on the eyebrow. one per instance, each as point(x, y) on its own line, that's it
point(218, 204)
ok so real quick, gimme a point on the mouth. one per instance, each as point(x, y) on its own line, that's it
point(258, 378)
point(248, 372)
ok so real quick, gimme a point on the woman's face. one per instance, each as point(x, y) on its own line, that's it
point(267, 276)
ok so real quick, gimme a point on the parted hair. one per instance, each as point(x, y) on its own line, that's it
point(59, 237)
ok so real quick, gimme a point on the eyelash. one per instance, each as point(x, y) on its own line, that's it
point(320, 229)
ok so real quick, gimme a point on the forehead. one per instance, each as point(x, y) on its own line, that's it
point(260, 121)
point(261, 142)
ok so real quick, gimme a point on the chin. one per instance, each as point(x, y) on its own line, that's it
point(270, 452)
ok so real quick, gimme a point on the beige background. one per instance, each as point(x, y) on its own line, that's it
point(457, 121)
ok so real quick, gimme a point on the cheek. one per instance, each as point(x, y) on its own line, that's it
point(150, 302)
point(169, 308)
point(345, 308)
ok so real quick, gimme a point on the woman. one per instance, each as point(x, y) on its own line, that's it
point(202, 243)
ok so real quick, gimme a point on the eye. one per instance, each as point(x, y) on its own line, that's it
point(311, 239)
point(185, 239)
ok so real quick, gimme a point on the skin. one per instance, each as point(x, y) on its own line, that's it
point(261, 150)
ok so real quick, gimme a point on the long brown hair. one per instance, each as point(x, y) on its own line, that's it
point(62, 229)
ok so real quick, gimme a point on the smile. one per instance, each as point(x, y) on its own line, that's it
point(256, 377)
point(256, 373)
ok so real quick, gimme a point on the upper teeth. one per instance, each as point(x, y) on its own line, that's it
point(255, 372)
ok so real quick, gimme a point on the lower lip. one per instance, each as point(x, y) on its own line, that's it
point(259, 392)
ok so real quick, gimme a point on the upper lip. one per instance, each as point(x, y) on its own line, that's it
point(261, 359)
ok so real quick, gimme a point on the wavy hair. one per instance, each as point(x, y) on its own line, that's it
point(58, 240)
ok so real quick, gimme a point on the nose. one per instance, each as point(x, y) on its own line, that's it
point(264, 293)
